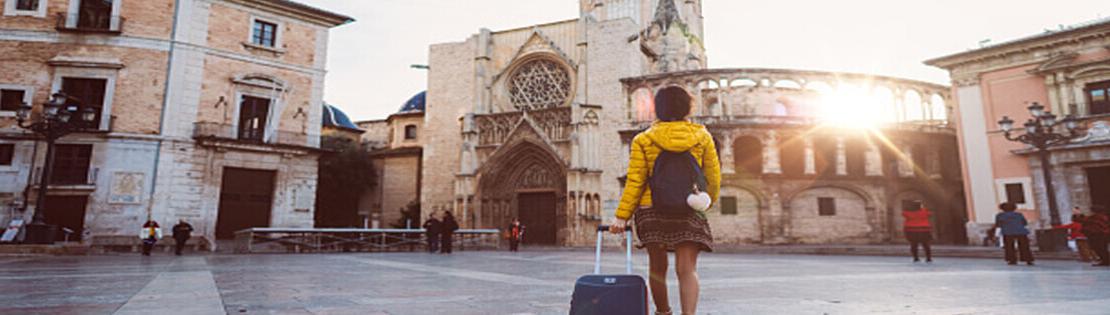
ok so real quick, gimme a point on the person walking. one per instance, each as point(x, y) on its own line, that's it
point(1015, 236)
point(150, 234)
point(181, 233)
point(918, 231)
point(1075, 235)
point(431, 229)
point(516, 235)
point(447, 232)
point(680, 229)
point(1097, 228)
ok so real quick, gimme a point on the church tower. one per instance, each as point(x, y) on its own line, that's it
point(671, 36)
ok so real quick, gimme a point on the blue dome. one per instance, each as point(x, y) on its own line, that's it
point(416, 103)
point(334, 117)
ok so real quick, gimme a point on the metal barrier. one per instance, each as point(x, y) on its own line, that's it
point(300, 240)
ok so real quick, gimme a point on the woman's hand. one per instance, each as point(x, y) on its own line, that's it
point(618, 226)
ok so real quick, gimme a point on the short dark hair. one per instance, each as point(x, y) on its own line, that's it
point(672, 103)
point(1007, 206)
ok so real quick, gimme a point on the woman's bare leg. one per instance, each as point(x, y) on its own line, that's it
point(657, 278)
point(686, 266)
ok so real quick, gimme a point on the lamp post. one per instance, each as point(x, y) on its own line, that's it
point(54, 122)
point(1041, 132)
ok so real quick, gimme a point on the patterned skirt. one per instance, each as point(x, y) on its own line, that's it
point(655, 226)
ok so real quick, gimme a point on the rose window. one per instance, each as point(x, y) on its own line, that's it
point(539, 84)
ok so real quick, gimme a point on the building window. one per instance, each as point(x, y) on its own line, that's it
point(728, 205)
point(7, 152)
point(71, 164)
point(27, 5)
point(264, 33)
point(252, 118)
point(826, 206)
point(95, 14)
point(538, 84)
point(88, 92)
point(12, 99)
point(410, 132)
point(35, 8)
point(1015, 193)
point(1098, 95)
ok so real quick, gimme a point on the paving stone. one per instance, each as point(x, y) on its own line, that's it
point(536, 282)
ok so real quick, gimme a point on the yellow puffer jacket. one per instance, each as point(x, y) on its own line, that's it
point(676, 136)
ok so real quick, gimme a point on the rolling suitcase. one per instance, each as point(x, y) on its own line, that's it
point(613, 294)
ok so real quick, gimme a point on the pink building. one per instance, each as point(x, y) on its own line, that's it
point(1067, 71)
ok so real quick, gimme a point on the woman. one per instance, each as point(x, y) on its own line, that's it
point(918, 231)
point(447, 232)
point(516, 234)
point(1075, 234)
point(150, 234)
point(686, 233)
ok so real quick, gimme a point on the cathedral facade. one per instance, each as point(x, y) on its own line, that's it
point(535, 123)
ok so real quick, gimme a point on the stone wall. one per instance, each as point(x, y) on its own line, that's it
point(399, 187)
point(451, 83)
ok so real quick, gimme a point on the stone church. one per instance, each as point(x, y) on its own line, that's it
point(535, 123)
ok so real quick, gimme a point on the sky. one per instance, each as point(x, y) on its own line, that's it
point(369, 74)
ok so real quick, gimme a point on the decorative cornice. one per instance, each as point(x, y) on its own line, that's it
point(85, 62)
point(1095, 30)
point(297, 10)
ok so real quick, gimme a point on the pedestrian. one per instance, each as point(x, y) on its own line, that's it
point(1097, 228)
point(1015, 237)
point(918, 231)
point(516, 235)
point(150, 234)
point(431, 229)
point(447, 232)
point(675, 228)
point(1076, 236)
point(181, 233)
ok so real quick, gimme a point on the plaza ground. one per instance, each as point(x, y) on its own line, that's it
point(533, 282)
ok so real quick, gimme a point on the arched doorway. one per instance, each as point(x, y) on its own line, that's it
point(526, 181)
point(748, 156)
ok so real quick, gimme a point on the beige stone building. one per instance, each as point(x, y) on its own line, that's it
point(397, 152)
point(535, 122)
point(207, 110)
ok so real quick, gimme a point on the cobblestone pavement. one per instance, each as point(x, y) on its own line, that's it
point(534, 282)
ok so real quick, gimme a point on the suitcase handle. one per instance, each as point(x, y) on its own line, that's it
point(601, 229)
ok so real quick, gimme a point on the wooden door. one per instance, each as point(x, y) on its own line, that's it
point(246, 197)
point(67, 212)
point(537, 213)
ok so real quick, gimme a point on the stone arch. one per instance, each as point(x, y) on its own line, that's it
point(853, 221)
point(747, 154)
point(524, 179)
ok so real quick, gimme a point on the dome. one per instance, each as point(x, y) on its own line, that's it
point(416, 103)
point(334, 117)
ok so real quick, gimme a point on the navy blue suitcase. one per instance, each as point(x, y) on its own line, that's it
point(614, 294)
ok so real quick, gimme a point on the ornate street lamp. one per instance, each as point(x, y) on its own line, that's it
point(1042, 132)
point(54, 122)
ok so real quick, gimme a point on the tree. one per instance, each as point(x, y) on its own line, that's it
point(345, 172)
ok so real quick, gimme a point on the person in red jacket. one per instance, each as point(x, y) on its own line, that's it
point(1075, 229)
point(918, 231)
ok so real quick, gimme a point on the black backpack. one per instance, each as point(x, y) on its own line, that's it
point(673, 178)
